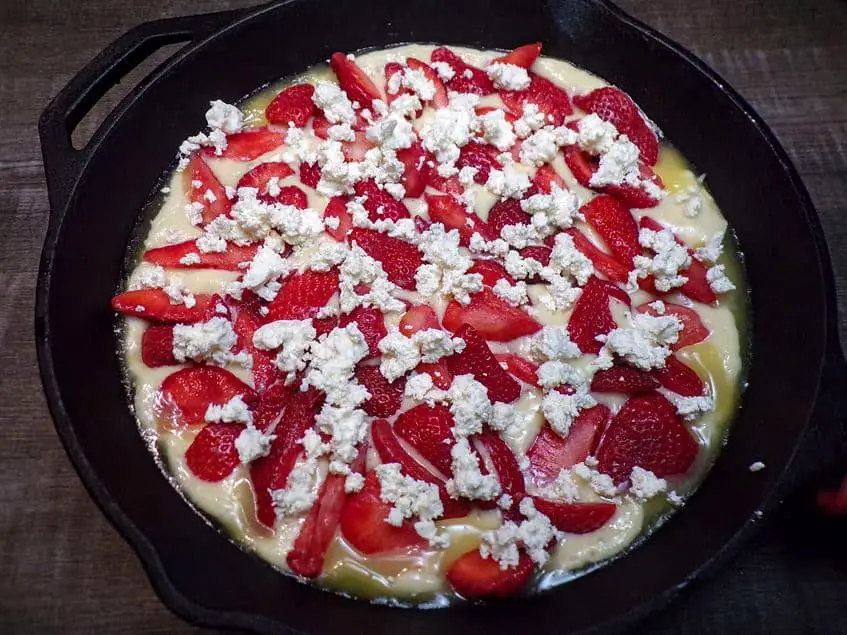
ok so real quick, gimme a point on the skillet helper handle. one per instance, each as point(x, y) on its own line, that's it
point(63, 162)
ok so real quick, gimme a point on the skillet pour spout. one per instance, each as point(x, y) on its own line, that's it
point(197, 570)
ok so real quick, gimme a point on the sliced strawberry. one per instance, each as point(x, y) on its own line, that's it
point(693, 330)
point(294, 196)
point(697, 288)
point(271, 473)
point(623, 379)
point(646, 432)
point(429, 172)
point(546, 176)
point(481, 156)
point(390, 69)
point(679, 378)
point(265, 371)
point(157, 346)
point(633, 196)
point(478, 82)
point(475, 577)
point(413, 159)
point(504, 213)
point(439, 372)
point(606, 264)
point(521, 368)
point(616, 226)
point(372, 325)
point(354, 81)
point(552, 100)
point(303, 295)
point(428, 429)
point(380, 204)
point(212, 455)
point(306, 558)
point(324, 325)
point(582, 166)
point(209, 193)
point(155, 305)
point(293, 105)
point(172, 255)
point(386, 396)
point(616, 107)
point(440, 99)
point(337, 208)
point(260, 177)
point(250, 144)
point(186, 394)
point(273, 398)
point(363, 522)
point(310, 174)
point(505, 465)
point(550, 453)
point(391, 451)
point(492, 316)
point(523, 56)
point(537, 253)
point(576, 518)
point(478, 360)
point(453, 215)
point(399, 259)
point(357, 149)
point(300, 411)
point(321, 126)
point(591, 316)
point(419, 317)
point(491, 271)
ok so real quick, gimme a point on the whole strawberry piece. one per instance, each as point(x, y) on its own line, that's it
point(478, 360)
point(648, 433)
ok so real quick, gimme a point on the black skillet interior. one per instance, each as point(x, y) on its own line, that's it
point(97, 193)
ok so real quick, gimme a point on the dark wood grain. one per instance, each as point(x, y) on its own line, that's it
point(65, 570)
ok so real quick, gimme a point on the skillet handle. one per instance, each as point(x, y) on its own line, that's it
point(63, 162)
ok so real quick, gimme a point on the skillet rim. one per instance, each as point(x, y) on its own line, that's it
point(151, 561)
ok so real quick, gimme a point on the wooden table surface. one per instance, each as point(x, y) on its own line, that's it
point(65, 569)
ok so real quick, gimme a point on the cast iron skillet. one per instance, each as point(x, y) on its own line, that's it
point(96, 194)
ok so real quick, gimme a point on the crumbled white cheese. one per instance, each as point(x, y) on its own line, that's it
point(554, 343)
point(334, 102)
point(191, 258)
point(295, 337)
point(561, 410)
point(647, 344)
point(557, 373)
point(224, 117)
point(450, 129)
point(711, 251)
point(563, 488)
point(359, 268)
point(508, 76)
point(510, 182)
point(263, 273)
point(409, 497)
point(601, 483)
point(496, 130)
point(758, 466)
point(566, 258)
point(718, 280)
point(531, 119)
point(645, 484)
point(446, 271)
point(205, 341)
point(469, 405)
point(690, 408)
point(253, 444)
point(515, 294)
point(670, 258)
point(533, 534)
point(468, 481)
point(595, 136)
point(233, 411)
point(444, 70)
